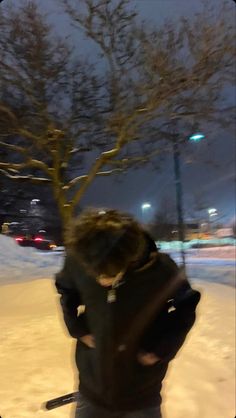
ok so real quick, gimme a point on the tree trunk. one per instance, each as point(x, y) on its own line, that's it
point(64, 207)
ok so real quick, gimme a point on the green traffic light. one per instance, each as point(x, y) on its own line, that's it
point(196, 137)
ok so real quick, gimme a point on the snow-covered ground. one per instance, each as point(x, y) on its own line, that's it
point(210, 264)
point(36, 354)
point(20, 263)
point(214, 242)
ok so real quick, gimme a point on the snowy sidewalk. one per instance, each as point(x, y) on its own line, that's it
point(36, 356)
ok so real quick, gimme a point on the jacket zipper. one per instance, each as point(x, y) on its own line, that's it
point(111, 299)
point(111, 294)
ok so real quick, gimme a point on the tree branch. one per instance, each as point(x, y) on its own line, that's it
point(101, 161)
point(31, 163)
point(36, 180)
point(9, 113)
point(77, 180)
point(125, 162)
point(14, 147)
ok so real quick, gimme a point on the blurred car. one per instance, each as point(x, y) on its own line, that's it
point(37, 241)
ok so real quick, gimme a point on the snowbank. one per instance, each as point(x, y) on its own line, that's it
point(19, 263)
point(209, 264)
point(215, 253)
point(36, 356)
point(225, 252)
point(216, 242)
point(219, 274)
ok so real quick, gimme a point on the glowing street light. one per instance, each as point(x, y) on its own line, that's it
point(146, 205)
point(197, 137)
point(212, 212)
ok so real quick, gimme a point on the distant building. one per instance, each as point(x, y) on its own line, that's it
point(224, 232)
point(169, 232)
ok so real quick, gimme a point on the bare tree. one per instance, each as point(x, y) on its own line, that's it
point(48, 116)
point(164, 84)
point(56, 109)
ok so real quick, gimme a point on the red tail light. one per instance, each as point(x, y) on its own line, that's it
point(38, 239)
point(19, 239)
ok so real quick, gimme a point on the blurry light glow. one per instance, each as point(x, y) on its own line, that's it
point(18, 239)
point(38, 239)
point(212, 212)
point(197, 137)
point(102, 212)
point(146, 206)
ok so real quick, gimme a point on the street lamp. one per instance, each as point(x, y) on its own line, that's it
point(145, 207)
point(197, 137)
point(211, 212)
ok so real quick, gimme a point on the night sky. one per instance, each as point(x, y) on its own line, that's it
point(216, 183)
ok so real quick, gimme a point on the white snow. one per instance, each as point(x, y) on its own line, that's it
point(216, 242)
point(201, 381)
point(21, 263)
point(226, 252)
point(37, 355)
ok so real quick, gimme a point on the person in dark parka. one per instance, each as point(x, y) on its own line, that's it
point(138, 308)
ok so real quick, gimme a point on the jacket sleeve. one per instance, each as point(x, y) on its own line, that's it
point(174, 323)
point(70, 300)
point(180, 319)
point(167, 332)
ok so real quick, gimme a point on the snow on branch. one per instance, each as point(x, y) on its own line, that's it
point(77, 180)
point(30, 163)
point(24, 178)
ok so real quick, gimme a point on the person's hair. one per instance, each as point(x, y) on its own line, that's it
point(106, 241)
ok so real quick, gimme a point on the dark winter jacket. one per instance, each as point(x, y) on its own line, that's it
point(153, 312)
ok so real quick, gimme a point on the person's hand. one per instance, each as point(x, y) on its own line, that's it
point(147, 359)
point(88, 340)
